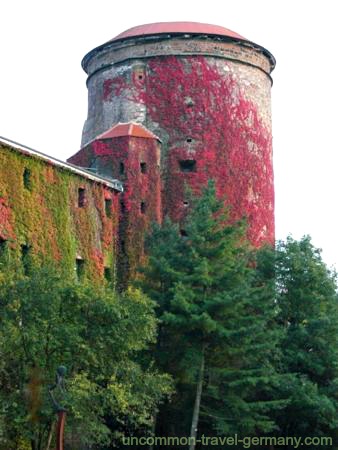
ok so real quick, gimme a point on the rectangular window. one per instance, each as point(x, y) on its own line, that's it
point(187, 165)
point(108, 274)
point(143, 207)
point(81, 197)
point(3, 247)
point(123, 246)
point(25, 259)
point(143, 167)
point(79, 268)
point(108, 206)
point(121, 168)
point(27, 179)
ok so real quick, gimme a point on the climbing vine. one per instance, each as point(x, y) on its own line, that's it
point(135, 161)
point(207, 119)
point(44, 217)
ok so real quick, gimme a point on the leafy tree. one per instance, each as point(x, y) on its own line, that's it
point(218, 333)
point(99, 336)
point(307, 296)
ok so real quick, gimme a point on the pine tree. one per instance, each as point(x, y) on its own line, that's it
point(307, 296)
point(218, 336)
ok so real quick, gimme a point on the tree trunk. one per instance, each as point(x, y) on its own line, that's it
point(50, 436)
point(196, 412)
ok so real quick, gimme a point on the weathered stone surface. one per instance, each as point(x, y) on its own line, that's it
point(208, 98)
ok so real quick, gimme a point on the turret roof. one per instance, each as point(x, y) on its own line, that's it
point(177, 28)
point(128, 129)
point(185, 29)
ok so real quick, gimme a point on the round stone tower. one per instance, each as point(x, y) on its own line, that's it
point(205, 92)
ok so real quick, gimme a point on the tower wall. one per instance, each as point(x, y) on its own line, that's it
point(208, 99)
point(120, 64)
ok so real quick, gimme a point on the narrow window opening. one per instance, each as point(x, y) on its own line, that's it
point(81, 197)
point(187, 165)
point(79, 268)
point(189, 140)
point(108, 207)
point(107, 274)
point(140, 77)
point(123, 246)
point(3, 246)
point(27, 179)
point(25, 260)
point(143, 207)
point(122, 207)
point(143, 167)
point(121, 168)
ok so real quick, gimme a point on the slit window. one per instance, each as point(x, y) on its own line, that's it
point(189, 140)
point(143, 207)
point(3, 246)
point(122, 207)
point(108, 207)
point(79, 268)
point(81, 197)
point(25, 258)
point(143, 167)
point(121, 169)
point(27, 179)
point(107, 274)
point(187, 165)
point(123, 246)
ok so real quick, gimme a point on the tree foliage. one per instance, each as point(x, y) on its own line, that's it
point(308, 301)
point(213, 305)
point(250, 338)
point(99, 336)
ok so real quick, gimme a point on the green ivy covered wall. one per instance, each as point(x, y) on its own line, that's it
point(51, 213)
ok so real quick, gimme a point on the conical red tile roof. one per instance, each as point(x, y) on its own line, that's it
point(128, 129)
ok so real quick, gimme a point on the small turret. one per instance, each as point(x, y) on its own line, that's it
point(130, 153)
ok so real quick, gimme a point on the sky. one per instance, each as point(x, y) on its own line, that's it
point(43, 95)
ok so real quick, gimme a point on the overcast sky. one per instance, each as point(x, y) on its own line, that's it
point(43, 95)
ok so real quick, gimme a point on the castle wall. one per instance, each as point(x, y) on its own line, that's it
point(51, 214)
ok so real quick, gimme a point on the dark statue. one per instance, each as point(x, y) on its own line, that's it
point(57, 391)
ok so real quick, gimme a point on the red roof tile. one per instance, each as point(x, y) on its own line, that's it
point(177, 27)
point(128, 129)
